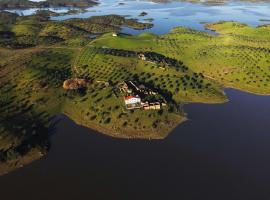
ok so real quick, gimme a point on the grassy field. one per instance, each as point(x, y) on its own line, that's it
point(183, 66)
point(237, 58)
point(103, 108)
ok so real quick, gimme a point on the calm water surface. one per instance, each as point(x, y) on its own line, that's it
point(177, 13)
point(222, 152)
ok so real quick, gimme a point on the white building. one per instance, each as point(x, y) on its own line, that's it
point(132, 100)
point(142, 56)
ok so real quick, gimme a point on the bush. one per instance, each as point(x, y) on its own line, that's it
point(107, 121)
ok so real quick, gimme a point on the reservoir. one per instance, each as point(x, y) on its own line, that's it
point(221, 152)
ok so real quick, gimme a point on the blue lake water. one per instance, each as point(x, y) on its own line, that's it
point(169, 15)
point(221, 153)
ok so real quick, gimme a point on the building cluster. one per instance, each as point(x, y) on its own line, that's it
point(134, 95)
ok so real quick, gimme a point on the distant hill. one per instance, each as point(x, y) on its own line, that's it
point(4, 4)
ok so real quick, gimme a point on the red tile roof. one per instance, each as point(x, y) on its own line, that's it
point(129, 97)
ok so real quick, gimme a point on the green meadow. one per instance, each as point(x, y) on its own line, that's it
point(238, 57)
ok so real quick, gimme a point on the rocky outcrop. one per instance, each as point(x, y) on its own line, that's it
point(74, 84)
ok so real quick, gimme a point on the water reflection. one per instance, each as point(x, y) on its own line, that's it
point(222, 153)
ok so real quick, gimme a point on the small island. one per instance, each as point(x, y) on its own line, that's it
point(142, 14)
point(124, 86)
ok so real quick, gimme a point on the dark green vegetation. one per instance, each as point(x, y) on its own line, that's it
point(28, 79)
point(109, 23)
point(15, 4)
point(37, 56)
point(30, 31)
point(180, 67)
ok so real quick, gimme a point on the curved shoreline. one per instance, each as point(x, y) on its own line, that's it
point(206, 145)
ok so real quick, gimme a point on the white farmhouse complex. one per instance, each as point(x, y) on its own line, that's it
point(132, 102)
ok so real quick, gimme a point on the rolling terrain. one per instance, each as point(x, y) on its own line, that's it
point(15, 4)
point(184, 66)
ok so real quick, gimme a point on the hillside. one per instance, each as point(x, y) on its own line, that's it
point(16, 4)
point(29, 31)
point(50, 67)
point(237, 58)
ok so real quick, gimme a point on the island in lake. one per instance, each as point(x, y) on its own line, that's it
point(124, 86)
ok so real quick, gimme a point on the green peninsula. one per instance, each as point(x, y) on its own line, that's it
point(121, 85)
